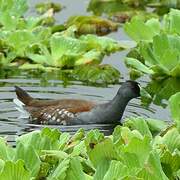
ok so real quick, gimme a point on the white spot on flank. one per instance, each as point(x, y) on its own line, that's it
point(66, 112)
point(53, 118)
point(60, 112)
point(49, 116)
point(64, 123)
point(63, 115)
point(58, 120)
point(71, 115)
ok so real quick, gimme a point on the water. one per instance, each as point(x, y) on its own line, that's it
point(47, 86)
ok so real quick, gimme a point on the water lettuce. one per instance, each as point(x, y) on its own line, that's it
point(124, 10)
point(141, 148)
point(92, 25)
point(157, 51)
point(161, 90)
point(68, 51)
point(11, 12)
point(96, 74)
point(153, 27)
point(41, 8)
point(139, 30)
point(161, 57)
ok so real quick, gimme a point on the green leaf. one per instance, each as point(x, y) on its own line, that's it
point(45, 140)
point(101, 151)
point(75, 171)
point(158, 62)
point(174, 107)
point(69, 168)
point(117, 170)
point(139, 124)
point(101, 169)
point(134, 63)
point(161, 90)
point(99, 74)
point(30, 157)
point(156, 125)
point(14, 171)
point(140, 147)
point(140, 31)
point(152, 169)
point(174, 102)
point(171, 139)
point(102, 44)
point(170, 163)
point(6, 152)
point(10, 13)
point(43, 7)
point(172, 21)
point(92, 25)
point(60, 171)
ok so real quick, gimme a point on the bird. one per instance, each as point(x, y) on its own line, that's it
point(76, 111)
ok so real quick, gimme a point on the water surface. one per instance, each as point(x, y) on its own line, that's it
point(47, 86)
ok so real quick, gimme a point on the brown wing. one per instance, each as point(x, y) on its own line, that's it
point(57, 112)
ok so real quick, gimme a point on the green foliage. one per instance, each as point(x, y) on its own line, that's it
point(14, 171)
point(175, 106)
point(92, 25)
point(141, 148)
point(10, 13)
point(123, 10)
point(158, 62)
point(161, 90)
point(41, 8)
point(147, 31)
point(33, 43)
point(157, 52)
point(96, 74)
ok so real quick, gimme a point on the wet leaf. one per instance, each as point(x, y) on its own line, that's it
point(99, 74)
point(41, 8)
point(175, 107)
point(92, 25)
point(14, 171)
point(147, 31)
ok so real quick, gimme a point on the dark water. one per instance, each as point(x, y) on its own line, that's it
point(48, 86)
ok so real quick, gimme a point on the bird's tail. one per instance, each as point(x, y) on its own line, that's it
point(23, 96)
point(23, 99)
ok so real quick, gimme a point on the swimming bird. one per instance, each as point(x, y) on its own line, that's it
point(76, 111)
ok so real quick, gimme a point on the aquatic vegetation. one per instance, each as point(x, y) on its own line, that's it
point(148, 29)
point(124, 10)
point(161, 90)
point(65, 50)
point(42, 8)
point(141, 148)
point(152, 27)
point(162, 57)
point(96, 74)
point(92, 25)
point(157, 52)
point(31, 43)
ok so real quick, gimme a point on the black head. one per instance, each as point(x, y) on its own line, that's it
point(130, 89)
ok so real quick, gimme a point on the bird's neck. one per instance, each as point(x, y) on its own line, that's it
point(115, 108)
point(120, 100)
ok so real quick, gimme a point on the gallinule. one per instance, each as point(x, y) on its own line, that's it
point(74, 111)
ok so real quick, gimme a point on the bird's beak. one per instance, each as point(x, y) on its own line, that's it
point(144, 93)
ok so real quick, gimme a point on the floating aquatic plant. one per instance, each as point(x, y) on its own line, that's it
point(157, 52)
point(92, 25)
point(124, 10)
point(141, 148)
point(42, 8)
point(96, 74)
